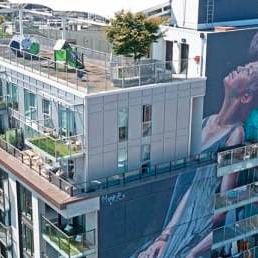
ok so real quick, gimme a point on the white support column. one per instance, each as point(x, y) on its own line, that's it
point(92, 223)
point(14, 216)
point(37, 207)
point(21, 22)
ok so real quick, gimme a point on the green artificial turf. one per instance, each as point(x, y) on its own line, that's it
point(51, 146)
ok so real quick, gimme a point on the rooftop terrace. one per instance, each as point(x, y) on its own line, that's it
point(100, 74)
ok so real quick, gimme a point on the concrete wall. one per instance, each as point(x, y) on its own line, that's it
point(197, 47)
point(170, 138)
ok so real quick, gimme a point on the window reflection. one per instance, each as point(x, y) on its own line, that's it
point(123, 124)
point(146, 120)
point(122, 160)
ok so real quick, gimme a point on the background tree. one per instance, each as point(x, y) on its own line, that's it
point(2, 19)
point(131, 34)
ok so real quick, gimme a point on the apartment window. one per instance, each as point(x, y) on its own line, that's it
point(46, 106)
point(12, 96)
point(122, 160)
point(30, 105)
point(66, 121)
point(27, 241)
point(146, 120)
point(169, 54)
point(26, 203)
point(46, 109)
point(123, 124)
point(145, 156)
point(146, 148)
point(184, 58)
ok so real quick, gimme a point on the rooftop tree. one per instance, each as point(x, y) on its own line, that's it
point(131, 34)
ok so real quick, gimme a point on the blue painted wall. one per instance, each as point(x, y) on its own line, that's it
point(230, 10)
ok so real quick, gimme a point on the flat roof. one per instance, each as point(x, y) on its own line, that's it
point(97, 76)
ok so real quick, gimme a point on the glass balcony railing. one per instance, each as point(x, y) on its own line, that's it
point(237, 155)
point(5, 235)
point(235, 231)
point(123, 179)
point(68, 241)
point(239, 196)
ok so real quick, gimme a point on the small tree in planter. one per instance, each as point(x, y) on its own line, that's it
point(131, 34)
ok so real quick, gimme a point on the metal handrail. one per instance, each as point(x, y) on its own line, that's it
point(13, 58)
point(61, 183)
point(248, 191)
point(123, 179)
point(112, 75)
point(82, 240)
point(235, 229)
point(60, 230)
point(237, 155)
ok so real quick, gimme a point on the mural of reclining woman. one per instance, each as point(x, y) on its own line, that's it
point(187, 231)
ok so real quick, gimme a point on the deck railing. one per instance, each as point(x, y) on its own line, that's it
point(236, 155)
point(70, 242)
point(237, 230)
point(100, 74)
point(27, 160)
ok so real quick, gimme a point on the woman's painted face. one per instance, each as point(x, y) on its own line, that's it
point(238, 80)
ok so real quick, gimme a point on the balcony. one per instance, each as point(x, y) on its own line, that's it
point(31, 159)
point(56, 147)
point(236, 198)
point(5, 235)
point(235, 231)
point(47, 140)
point(237, 159)
point(69, 241)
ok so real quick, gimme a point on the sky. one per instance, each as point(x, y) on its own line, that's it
point(102, 7)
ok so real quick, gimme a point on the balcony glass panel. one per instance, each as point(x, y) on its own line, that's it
point(70, 242)
point(30, 105)
point(230, 157)
point(243, 194)
point(236, 230)
point(12, 96)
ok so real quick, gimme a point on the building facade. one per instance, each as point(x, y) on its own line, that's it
point(146, 160)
